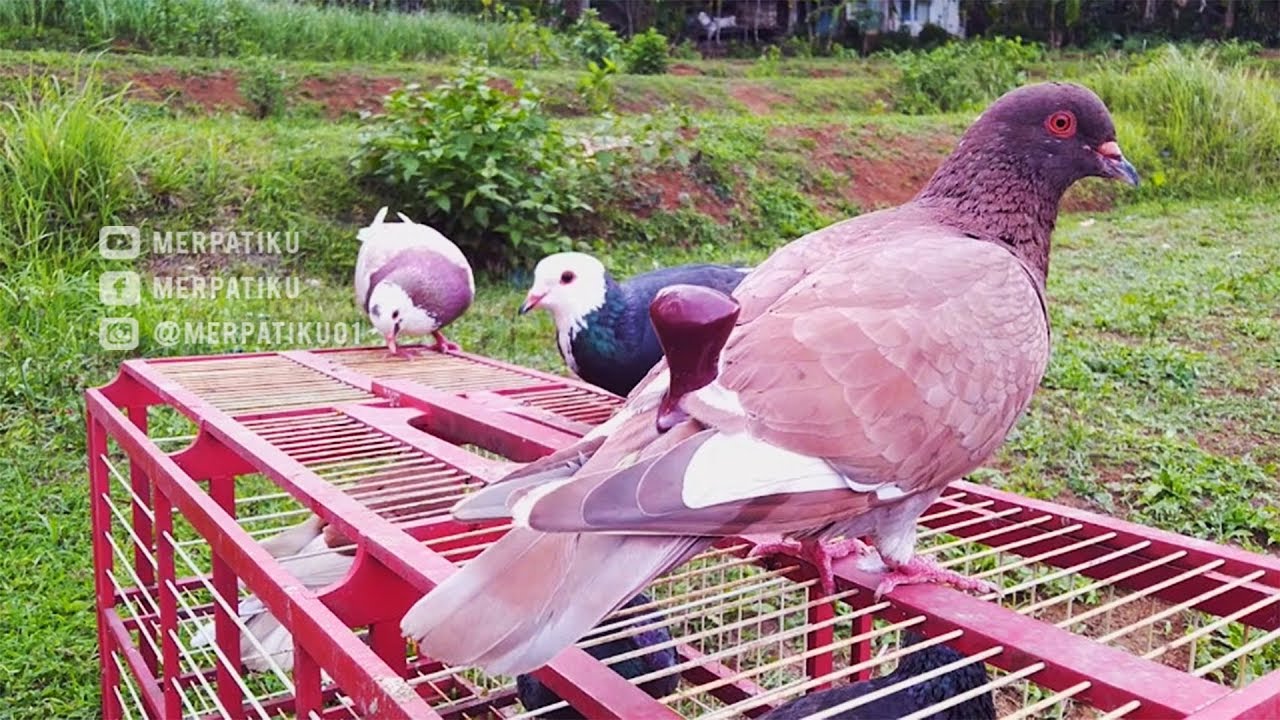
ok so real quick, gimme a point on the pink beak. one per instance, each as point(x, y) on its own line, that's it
point(391, 342)
point(530, 302)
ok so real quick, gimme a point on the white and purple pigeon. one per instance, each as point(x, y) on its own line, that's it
point(411, 280)
point(853, 375)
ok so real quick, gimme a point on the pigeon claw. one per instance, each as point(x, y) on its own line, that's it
point(920, 570)
point(816, 553)
point(443, 344)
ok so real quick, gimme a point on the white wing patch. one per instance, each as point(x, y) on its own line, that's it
point(721, 398)
point(731, 468)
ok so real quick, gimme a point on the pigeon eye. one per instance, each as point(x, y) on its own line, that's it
point(1061, 124)
point(566, 277)
point(395, 315)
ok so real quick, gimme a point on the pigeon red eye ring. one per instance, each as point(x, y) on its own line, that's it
point(1061, 124)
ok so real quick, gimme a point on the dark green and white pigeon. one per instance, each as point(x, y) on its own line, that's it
point(603, 329)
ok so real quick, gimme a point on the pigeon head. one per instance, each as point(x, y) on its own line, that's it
point(1060, 129)
point(568, 285)
point(1008, 173)
point(391, 310)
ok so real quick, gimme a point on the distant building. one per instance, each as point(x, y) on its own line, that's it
point(913, 15)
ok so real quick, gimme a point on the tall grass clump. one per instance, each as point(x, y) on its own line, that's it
point(1211, 128)
point(65, 166)
point(245, 27)
point(962, 76)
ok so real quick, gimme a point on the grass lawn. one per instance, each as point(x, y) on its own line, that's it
point(1161, 404)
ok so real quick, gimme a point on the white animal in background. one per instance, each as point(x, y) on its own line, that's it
point(712, 26)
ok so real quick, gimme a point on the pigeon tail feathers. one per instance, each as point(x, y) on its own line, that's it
point(515, 606)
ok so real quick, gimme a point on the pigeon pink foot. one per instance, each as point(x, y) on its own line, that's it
point(443, 344)
point(919, 570)
point(816, 553)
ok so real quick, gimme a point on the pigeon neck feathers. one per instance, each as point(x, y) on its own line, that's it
point(992, 194)
point(1008, 173)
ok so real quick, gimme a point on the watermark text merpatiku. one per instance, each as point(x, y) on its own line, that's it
point(196, 287)
point(216, 242)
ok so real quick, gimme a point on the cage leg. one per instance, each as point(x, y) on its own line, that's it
point(822, 663)
point(142, 526)
point(100, 517)
point(308, 697)
point(388, 643)
point(227, 634)
point(168, 606)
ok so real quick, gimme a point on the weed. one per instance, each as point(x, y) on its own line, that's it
point(596, 86)
point(246, 27)
point(265, 87)
point(1210, 129)
point(67, 148)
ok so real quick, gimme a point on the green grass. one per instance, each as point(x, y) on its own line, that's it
point(1160, 404)
point(242, 27)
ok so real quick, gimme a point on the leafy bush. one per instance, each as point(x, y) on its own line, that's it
point(264, 86)
point(593, 40)
point(646, 54)
point(65, 167)
point(1211, 129)
point(767, 65)
point(932, 36)
point(480, 164)
point(686, 50)
point(962, 76)
point(597, 85)
point(523, 42)
point(1234, 52)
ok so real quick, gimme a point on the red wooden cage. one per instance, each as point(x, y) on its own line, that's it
point(193, 461)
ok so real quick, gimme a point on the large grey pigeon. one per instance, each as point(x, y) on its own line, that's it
point(872, 363)
point(411, 280)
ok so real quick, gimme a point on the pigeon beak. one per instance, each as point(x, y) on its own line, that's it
point(391, 342)
point(531, 302)
point(1114, 164)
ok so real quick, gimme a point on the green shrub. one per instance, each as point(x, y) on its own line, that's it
point(264, 86)
point(1236, 52)
point(596, 86)
point(593, 40)
point(686, 50)
point(523, 42)
point(962, 76)
point(646, 54)
point(484, 166)
point(767, 65)
point(1211, 129)
point(65, 167)
point(932, 36)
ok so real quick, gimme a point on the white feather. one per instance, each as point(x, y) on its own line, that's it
point(756, 469)
point(721, 398)
point(522, 507)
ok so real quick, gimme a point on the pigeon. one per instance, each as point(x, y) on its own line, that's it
point(602, 326)
point(306, 551)
point(851, 377)
point(534, 695)
point(410, 279)
point(908, 700)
